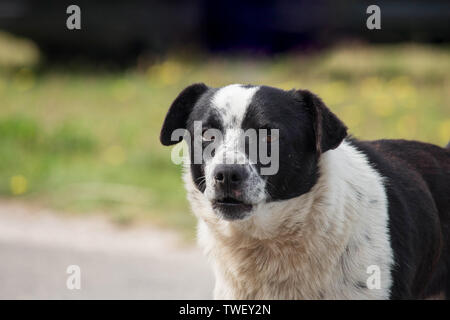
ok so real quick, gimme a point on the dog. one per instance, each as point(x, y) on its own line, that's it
point(341, 218)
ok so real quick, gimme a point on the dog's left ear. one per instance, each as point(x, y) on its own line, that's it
point(179, 111)
point(329, 131)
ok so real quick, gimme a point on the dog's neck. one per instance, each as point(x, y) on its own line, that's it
point(293, 248)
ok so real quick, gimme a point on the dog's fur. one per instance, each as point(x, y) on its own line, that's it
point(336, 207)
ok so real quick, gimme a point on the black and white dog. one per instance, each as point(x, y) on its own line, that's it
point(340, 219)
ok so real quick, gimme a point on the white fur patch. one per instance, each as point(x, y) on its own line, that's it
point(316, 246)
point(232, 102)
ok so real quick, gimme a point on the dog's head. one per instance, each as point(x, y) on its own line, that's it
point(289, 128)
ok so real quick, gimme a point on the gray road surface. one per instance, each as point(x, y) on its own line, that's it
point(36, 247)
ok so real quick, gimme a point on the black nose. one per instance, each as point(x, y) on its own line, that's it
point(229, 176)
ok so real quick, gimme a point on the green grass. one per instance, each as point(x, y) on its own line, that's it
point(86, 140)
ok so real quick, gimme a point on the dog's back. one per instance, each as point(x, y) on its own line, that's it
point(418, 188)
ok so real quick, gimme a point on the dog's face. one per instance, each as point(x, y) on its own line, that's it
point(292, 128)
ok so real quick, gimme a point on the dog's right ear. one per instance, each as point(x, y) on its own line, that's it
point(179, 112)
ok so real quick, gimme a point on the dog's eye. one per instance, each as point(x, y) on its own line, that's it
point(268, 138)
point(207, 137)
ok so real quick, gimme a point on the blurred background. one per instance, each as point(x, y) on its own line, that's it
point(81, 110)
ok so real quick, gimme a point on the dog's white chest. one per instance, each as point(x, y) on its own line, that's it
point(325, 244)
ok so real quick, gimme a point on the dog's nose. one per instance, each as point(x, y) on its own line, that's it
point(229, 176)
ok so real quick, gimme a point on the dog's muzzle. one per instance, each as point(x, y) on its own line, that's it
point(229, 181)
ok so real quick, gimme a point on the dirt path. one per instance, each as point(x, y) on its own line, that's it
point(37, 246)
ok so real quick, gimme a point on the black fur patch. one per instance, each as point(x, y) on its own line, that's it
point(418, 190)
